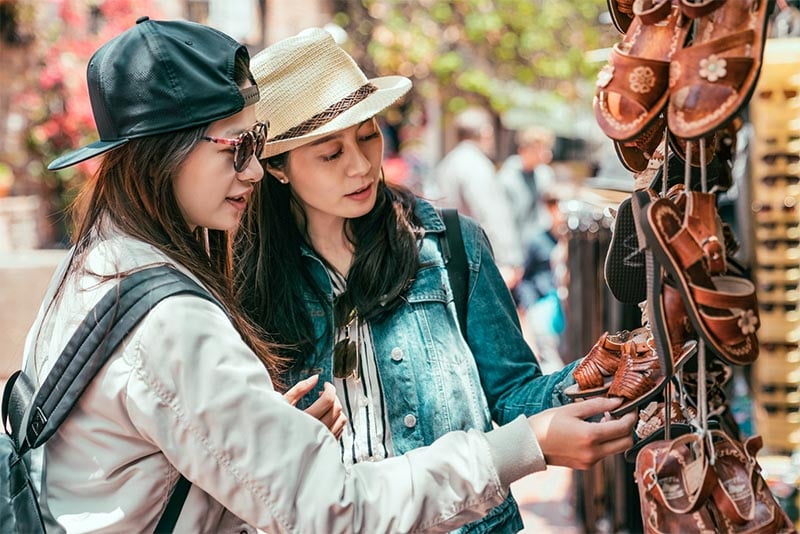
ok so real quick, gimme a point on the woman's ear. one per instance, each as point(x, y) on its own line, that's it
point(279, 174)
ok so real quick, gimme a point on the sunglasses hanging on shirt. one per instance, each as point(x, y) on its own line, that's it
point(345, 351)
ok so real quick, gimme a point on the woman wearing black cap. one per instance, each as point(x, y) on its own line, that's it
point(186, 395)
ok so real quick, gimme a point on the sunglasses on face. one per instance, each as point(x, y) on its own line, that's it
point(248, 142)
point(345, 351)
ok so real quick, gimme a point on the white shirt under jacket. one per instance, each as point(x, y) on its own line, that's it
point(184, 393)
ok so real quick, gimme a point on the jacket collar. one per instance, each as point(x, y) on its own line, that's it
point(424, 210)
point(429, 217)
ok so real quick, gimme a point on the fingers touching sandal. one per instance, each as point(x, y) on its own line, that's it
point(568, 439)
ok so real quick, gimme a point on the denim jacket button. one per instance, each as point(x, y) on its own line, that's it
point(410, 420)
point(397, 354)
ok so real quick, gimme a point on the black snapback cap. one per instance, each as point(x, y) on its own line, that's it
point(159, 77)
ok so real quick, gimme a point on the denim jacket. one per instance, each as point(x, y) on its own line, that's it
point(435, 381)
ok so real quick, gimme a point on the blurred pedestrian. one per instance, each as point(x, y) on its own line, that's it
point(525, 176)
point(528, 181)
point(466, 179)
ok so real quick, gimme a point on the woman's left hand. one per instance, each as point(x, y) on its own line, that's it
point(327, 408)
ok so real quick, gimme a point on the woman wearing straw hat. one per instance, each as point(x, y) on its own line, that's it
point(347, 274)
point(185, 396)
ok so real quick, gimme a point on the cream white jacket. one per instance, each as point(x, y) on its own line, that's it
point(184, 394)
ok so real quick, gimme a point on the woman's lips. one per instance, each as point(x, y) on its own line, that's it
point(360, 194)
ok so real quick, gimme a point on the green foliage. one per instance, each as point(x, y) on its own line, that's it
point(494, 52)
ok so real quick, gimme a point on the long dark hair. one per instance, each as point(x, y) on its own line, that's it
point(133, 189)
point(385, 263)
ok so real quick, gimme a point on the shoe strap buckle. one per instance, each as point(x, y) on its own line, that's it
point(650, 478)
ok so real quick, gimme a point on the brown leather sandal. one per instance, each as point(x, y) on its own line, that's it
point(641, 376)
point(635, 154)
point(723, 309)
point(594, 373)
point(621, 12)
point(652, 417)
point(713, 78)
point(742, 500)
point(632, 87)
point(675, 482)
point(678, 146)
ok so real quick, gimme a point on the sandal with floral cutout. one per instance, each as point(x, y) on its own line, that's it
point(723, 309)
point(632, 87)
point(711, 80)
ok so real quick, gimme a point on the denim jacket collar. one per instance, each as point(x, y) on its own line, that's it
point(428, 217)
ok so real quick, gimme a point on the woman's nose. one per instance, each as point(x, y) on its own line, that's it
point(254, 172)
point(359, 163)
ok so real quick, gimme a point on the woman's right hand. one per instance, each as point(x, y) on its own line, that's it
point(567, 439)
point(326, 408)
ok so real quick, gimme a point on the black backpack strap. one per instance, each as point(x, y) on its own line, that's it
point(455, 257)
point(17, 396)
point(173, 510)
point(95, 340)
point(90, 347)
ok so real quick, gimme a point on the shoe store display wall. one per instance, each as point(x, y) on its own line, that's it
point(701, 101)
point(774, 193)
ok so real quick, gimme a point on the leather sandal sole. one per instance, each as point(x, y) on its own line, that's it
point(709, 301)
point(624, 267)
point(574, 391)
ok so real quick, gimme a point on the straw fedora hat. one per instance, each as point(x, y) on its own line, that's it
point(310, 87)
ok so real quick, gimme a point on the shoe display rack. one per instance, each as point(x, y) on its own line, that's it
point(671, 96)
point(775, 193)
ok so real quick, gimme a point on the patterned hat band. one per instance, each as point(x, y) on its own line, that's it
point(328, 115)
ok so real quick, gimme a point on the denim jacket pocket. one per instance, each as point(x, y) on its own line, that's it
point(430, 285)
point(431, 300)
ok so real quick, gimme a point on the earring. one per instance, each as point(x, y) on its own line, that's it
point(283, 180)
